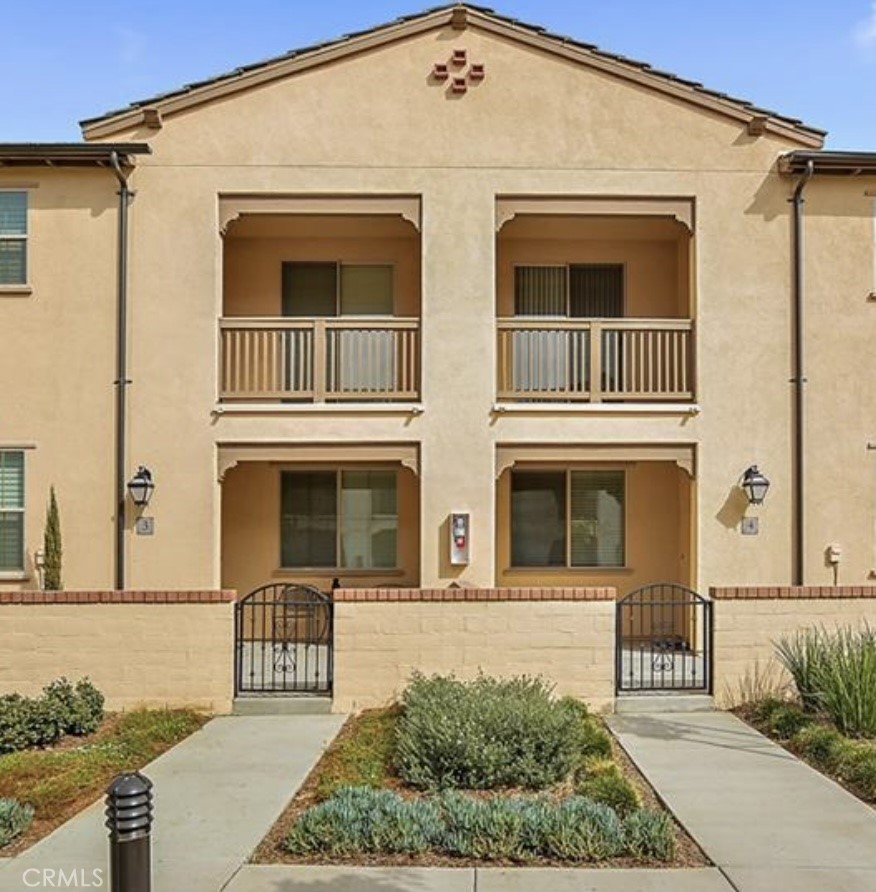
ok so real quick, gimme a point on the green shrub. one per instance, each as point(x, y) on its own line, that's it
point(360, 820)
point(27, 722)
point(602, 781)
point(79, 707)
point(822, 744)
point(63, 708)
point(786, 720)
point(489, 733)
point(650, 834)
point(762, 710)
point(15, 818)
point(857, 767)
point(835, 672)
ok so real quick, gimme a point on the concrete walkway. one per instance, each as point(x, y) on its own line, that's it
point(216, 795)
point(767, 820)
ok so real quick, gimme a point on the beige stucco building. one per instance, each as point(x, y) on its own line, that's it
point(450, 265)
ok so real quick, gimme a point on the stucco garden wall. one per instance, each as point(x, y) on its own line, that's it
point(748, 620)
point(139, 648)
point(383, 635)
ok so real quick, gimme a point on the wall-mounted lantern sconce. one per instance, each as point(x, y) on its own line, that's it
point(140, 486)
point(755, 485)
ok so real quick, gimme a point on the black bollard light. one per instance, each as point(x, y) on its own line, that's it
point(129, 819)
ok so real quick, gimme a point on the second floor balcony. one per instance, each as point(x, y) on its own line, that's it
point(319, 360)
point(595, 360)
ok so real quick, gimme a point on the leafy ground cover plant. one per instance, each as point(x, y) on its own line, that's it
point(362, 821)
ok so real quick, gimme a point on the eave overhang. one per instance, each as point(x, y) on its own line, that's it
point(826, 162)
point(59, 154)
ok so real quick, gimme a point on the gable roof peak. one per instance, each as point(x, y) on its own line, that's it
point(151, 112)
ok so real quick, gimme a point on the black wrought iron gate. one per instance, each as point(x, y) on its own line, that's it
point(664, 640)
point(283, 641)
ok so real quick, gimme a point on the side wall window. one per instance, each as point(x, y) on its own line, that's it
point(11, 511)
point(13, 238)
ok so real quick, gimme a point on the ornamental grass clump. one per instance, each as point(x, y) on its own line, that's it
point(490, 733)
point(835, 673)
point(15, 818)
point(602, 780)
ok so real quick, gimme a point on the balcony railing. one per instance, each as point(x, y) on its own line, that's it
point(591, 360)
point(343, 359)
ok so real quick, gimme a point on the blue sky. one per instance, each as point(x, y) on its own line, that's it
point(66, 61)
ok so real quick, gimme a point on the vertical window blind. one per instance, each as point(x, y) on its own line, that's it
point(11, 510)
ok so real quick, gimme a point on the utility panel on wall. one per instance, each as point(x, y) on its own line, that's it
point(460, 538)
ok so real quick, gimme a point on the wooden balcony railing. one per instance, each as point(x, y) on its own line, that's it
point(343, 359)
point(590, 360)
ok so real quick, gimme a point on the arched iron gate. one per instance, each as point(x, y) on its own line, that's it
point(664, 640)
point(283, 641)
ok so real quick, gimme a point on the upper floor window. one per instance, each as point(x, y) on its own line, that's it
point(337, 289)
point(581, 290)
point(339, 519)
point(568, 518)
point(13, 237)
point(11, 510)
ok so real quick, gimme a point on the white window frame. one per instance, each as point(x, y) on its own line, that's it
point(17, 572)
point(23, 237)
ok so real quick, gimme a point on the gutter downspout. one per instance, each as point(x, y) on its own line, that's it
point(122, 381)
point(799, 378)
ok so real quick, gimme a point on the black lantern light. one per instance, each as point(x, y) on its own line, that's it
point(140, 486)
point(755, 485)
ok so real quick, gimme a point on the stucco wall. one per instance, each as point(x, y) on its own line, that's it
point(374, 124)
point(139, 648)
point(565, 635)
point(748, 621)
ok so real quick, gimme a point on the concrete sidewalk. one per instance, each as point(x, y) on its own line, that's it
point(216, 796)
point(767, 820)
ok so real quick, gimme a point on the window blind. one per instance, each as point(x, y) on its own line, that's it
point(597, 518)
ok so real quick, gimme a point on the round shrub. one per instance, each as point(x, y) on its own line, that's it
point(602, 781)
point(78, 708)
point(857, 767)
point(27, 722)
point(786, 720)
point(489, 733)
point(822, 744)
point(15, 818)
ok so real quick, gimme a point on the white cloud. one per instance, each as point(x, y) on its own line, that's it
point(865, 33)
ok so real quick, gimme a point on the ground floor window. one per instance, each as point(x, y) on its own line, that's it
point(11, 510)
point(568, 518)
point(345, 519)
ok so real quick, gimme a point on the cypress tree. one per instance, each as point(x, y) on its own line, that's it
point(52, 550)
